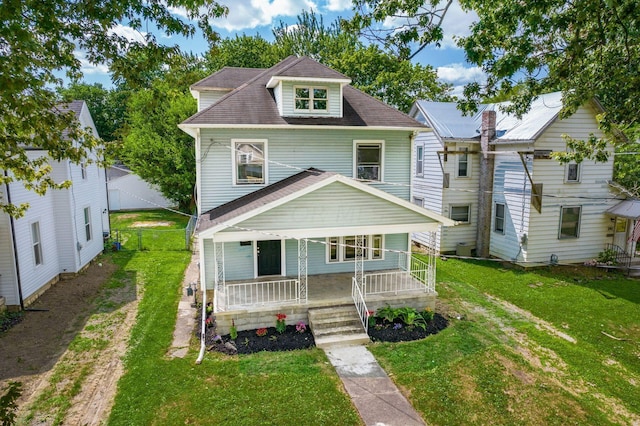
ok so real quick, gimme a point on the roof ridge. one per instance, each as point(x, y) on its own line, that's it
point(220, 70)
point(384, 103)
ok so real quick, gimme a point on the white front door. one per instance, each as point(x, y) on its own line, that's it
point(620, 235)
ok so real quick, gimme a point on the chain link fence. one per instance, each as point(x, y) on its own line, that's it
point(151, 239)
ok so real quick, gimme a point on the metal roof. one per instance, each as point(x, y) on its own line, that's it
point(629, 209)
point(449, 122)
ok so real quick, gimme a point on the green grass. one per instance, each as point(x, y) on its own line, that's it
point(149, 230)
point(494, 366)
point(294, 388)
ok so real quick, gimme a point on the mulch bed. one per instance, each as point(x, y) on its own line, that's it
point(249, 342)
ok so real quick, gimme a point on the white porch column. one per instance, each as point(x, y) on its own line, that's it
point(219, 292)
point(359, 262)
point(302, 269)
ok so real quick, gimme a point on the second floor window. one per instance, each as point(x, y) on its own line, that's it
point(463, 163)
point(368, 161)
point(311, 98)
point(573, 172)
point(250, 162)
point(419, 160)
point(83, 171)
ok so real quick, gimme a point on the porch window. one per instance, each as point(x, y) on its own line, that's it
point(463, 162)
point(498, 223)
point(250, 162)
point(311, 98)
point(368, 160)
point(343, 249)
point(36, 243)
point(87, 223)
point(419, 160)
point(569, 222)
point(460, 213)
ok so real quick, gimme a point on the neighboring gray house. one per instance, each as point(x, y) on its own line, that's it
point(540, 211)
point(127, 191)
point(303, 195)
point(61, 232)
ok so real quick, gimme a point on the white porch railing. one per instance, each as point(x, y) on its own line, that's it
point(358, 299)
point(415, 275)
point(261, 293)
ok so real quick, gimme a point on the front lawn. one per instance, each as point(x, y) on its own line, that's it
point(528, 348)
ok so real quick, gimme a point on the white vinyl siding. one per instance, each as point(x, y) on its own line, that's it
point(329, 150)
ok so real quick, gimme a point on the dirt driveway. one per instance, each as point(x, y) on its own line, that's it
point(69, 345)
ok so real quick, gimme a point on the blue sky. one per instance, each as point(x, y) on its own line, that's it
point(260, 16)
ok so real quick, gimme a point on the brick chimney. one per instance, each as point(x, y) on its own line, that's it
point(485, 190)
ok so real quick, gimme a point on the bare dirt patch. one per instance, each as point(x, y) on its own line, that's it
point(151, 224)
point(74, 335)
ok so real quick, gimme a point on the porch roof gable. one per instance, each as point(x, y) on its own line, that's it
point(629, 209)
point(277, 194)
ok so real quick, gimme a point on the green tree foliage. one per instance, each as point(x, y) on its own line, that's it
point(8, 404)
point(107, 106)
point(153, 146)
point(242, 51)
point(42, 41)
point(378, 73)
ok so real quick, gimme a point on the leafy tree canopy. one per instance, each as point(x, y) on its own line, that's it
point(42, 41)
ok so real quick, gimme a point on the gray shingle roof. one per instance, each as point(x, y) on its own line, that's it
point(75, 106)
point(261, 197)
point(227, 78)
point(253, 104)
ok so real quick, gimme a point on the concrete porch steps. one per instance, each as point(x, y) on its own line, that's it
point(337, 326)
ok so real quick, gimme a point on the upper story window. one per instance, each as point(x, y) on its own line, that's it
point(311, 98)
point(569, 222)
point(36, 243)
point(463, 162)
point(368, 160)
point(419, 160)
point(498, 222)
point(249, 159)
point(573, 172)
point(83, 171)
point(460, 213)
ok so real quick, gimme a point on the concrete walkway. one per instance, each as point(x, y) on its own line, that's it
point(185, 323)
point(375, 396)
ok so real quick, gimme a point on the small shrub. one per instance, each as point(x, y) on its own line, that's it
point(233, 331)
point(8, 404)
point(387, 314)
point(608, 257)
point(261, 332)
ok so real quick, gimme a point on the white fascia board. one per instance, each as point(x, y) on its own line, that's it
point(233, 236)
point(185, 126)
point(274, 80)
point(190, 130)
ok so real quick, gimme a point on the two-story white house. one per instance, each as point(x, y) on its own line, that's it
point(538, 210)
point(303, 194)
point(61, 232)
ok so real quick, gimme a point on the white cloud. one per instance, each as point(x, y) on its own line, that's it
point(458, 74)
point(128, 33)
point(89, 68)
point(338, 5)
point(248, 14)
point(456, 24)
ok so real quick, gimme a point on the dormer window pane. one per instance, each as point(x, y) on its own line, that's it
point(311, 99)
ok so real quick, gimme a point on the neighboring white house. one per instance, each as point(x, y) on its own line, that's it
point(61, 232)
point(127, 191)
point(537, 210)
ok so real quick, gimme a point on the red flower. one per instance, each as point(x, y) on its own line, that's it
point(281, 317)
point(261, 332)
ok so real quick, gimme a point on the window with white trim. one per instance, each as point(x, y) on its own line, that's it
point(310, 98)
point(87, 223)
point(418, 201)
point(419, 160)
point(368, 160)
point(573, 172)
point(460, 213)
point(343, 249)
point(463, 162)
point(83, 171)
point(498, 221)
point(36, 243)
point(569, 222)
point(250, 164)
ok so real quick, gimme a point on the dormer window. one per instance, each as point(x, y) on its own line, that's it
point(311, 98)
